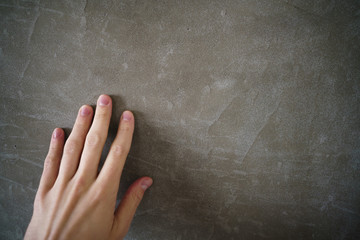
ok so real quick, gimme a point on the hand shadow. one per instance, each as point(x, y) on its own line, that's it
point(181, 203)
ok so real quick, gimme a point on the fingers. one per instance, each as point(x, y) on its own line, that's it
point(96, 138)
point(114, 164)
point(52, 161)
point(127, 208)
point(75, 142)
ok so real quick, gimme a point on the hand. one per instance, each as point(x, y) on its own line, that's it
point(74, 201)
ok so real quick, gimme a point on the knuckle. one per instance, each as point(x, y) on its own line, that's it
point(81, 124)
point(120, 231)
point(93, 139)
point(137, 195)
point(39, 200)
point(50, 158)
point(122, 234)
point(102, 113)
point(125, 128)
point(79, 186)
point(37, 204)
point(120, 150)
point(52, 154)
point(97, 196)
point(71, 146)
point(54, 147)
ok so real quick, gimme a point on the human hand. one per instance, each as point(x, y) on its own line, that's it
point(74, 201)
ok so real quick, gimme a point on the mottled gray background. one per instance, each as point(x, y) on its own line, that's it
point(247, 111)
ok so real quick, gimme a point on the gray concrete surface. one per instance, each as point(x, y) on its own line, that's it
point(247, 111)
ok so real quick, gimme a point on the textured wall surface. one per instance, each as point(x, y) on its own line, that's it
point(247, 112)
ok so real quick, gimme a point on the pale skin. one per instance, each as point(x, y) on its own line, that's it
point(74, 200)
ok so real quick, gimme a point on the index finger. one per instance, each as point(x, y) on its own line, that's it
point(111, 172)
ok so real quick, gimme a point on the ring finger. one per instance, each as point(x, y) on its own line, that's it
point(75, 142)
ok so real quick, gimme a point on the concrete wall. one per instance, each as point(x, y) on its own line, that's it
point(247, 112)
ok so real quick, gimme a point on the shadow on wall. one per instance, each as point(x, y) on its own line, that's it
point(193, 198)
point(185, 203)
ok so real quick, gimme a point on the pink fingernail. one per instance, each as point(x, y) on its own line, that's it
point(146, 183)
point(127, 116)
point(57, 133)
point(85, 111)
point(104, 100)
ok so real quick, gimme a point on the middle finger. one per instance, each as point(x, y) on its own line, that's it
point(96, 138)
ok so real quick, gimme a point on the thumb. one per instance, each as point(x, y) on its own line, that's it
point(128, 205)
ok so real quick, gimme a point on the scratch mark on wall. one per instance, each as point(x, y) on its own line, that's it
point(29, 8)
point(25, 69)
point(16, 183)
point(222, 111)
point(17, 157)
point(346, 210)
point(32, 27)
point(52, 11)
point(4, 125)
point(147, 162)
point(260, 130)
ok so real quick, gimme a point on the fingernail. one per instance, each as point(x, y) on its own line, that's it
point(104, 100)
point(127, 116)
point(85, 111)
point(146, 183)
point(57, 133)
